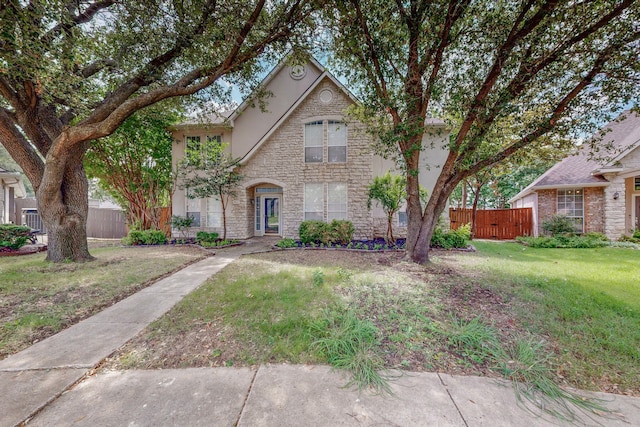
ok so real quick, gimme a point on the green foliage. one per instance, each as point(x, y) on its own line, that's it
point(451, 238)
point(134, 165)
point(205, 237)
point(319, 232)
point(589, 240)
point(218, 243)
point(634, 238)
point(211, 172)
point(312, 231)
point(14, 236)
point(286, 242)
point(558, 224)
point(348, 343)
point(318, 277)
point(145, 237)
point(472, 339)
point(182, 223)
point(341, 231)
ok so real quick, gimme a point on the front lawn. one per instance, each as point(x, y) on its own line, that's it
point(38, 298)
point(586, 300)
point(497, 312)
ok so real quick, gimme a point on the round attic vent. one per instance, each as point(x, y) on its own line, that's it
point(326, 96)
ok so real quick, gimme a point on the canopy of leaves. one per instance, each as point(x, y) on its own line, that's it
point(134, 163)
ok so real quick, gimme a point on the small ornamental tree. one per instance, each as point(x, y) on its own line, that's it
point(210, 173)
point(390, 191)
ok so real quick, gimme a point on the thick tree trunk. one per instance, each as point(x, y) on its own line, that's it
point(64, 212)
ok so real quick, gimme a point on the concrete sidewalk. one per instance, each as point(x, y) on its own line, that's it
point(51, 383)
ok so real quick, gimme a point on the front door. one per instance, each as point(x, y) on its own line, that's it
point(271, 215)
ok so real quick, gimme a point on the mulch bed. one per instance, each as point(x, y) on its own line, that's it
point(25, 250)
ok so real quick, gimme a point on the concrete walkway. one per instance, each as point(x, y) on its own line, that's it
point(51, 383)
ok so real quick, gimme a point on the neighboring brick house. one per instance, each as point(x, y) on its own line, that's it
point(602, 193)
point(11, 187)
point(300, 158)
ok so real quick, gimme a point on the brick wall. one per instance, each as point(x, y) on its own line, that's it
point(547, 206)
point(594, 209)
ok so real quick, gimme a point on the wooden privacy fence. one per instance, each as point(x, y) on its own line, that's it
point(496, 224)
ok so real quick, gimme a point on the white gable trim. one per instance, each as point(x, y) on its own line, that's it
point(257, 181)
point(291, 109)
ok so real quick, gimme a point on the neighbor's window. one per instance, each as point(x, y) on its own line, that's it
point(313, 201)
point(636, 183)
point(571, 204)
point(313, 146)
point(337, 201)
point(214, 212)
point(193, 211)
point(337, 142)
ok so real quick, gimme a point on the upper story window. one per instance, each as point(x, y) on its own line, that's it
point(196, 151)
point(336, 142)
point(313, 142)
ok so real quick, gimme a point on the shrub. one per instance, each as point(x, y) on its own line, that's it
point(182, 223)
point(318, 232)
point(145, 237)
point(558, 224)
point(451, 238)
point(286, 243)
point(590, 240)
point(204, 237)
point(313, 231)
point(14, 236)
point(341, 231)
point(636, 234)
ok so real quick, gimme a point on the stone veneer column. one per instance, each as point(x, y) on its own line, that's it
point(614, 209)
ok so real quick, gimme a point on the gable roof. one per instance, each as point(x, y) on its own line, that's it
point(292, 108)
point(617, 139)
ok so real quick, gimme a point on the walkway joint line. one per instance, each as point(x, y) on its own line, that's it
point(452, 400)
point(246, 397)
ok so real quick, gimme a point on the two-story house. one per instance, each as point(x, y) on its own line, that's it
point(300, 157)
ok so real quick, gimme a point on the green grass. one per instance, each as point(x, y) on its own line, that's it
point(586, 300)
point(38, 298)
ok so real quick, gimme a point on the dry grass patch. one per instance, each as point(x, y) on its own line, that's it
point(38, 298)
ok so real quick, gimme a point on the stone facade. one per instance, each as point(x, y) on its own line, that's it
point(547, 206)
point(279, 163)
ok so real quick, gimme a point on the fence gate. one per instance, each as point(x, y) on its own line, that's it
point(496, 224)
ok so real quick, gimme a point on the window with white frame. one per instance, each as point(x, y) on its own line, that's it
point(193, 210)
point(313, 142)
point(336, 201)
point(214, 213)
point(336, 142)
point(571, 204)
point(313, 201)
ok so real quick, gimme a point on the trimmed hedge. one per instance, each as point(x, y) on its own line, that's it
point(145, 237)
point(14, 236)
point(337, 231)
point(451, 238)
point(204, 237)
point(589, 240)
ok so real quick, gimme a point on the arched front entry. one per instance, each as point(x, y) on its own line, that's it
point(268, 204)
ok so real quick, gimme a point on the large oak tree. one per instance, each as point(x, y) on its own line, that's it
point(73, 71)
point(482, 61)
